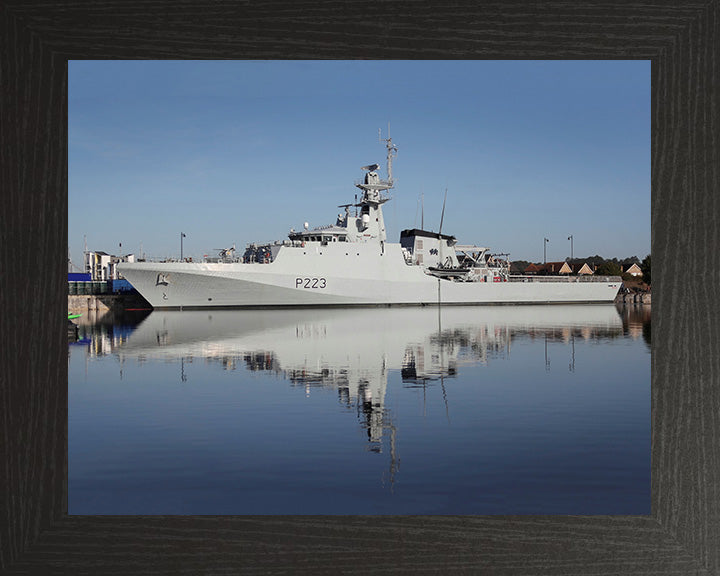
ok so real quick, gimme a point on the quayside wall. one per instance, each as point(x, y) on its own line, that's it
point(102, 303)
point(634, 298)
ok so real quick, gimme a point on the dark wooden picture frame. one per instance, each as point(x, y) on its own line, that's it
point(682, 534)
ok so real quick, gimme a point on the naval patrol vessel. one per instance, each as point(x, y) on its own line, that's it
point(351, 263)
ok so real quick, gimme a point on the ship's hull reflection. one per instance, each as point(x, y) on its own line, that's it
point(353, 350)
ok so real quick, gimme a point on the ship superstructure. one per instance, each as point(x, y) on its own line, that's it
point(352, 263)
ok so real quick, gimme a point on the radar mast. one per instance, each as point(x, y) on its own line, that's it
point(391, 153)
point(372, 183)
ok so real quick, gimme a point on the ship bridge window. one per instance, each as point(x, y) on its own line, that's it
point(341, 238)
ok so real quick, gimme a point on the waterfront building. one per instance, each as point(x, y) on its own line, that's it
point(103, 266)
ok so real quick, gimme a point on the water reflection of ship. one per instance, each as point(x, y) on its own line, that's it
point(362, 390)
point(102, 333)
point(442, 352)
point(354, 350)
point(636, 321)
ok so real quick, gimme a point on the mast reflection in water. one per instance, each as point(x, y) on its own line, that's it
point(466, 410)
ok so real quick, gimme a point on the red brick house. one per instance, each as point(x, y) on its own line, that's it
point(584, 269)
point(558, 268)
point(549, 269)
point(634, 270)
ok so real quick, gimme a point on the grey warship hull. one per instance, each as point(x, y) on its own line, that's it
point(352, 264)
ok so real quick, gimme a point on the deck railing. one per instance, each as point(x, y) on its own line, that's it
point(531, 278)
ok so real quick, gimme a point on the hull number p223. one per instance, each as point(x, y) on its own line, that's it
point(310, 283)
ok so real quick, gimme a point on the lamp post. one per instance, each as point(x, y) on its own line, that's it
point(182, 235)
point(545, 241)
point(571, 246)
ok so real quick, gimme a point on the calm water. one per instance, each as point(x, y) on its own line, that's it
point(470, 410)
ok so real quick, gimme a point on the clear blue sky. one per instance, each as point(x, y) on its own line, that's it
point(231, 152)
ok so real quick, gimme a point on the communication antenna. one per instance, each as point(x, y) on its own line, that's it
point(442, 215)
